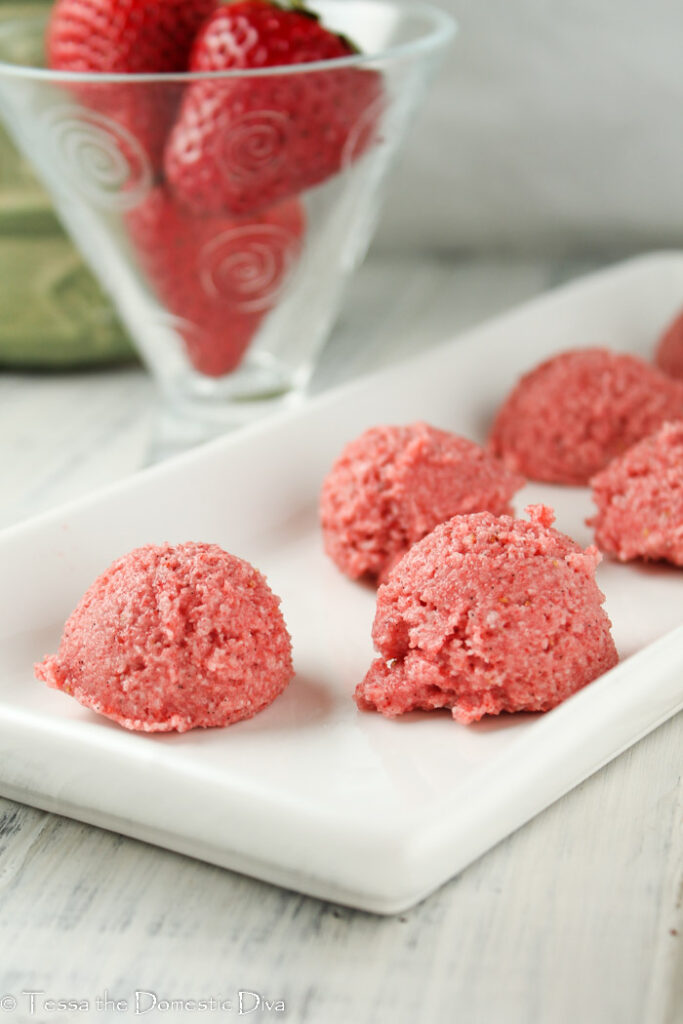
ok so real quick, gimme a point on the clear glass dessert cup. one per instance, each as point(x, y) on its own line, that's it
point(225, 248)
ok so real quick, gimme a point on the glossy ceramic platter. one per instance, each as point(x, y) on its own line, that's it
point(312, 794)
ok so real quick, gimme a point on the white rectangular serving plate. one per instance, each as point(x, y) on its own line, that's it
point(313, 794)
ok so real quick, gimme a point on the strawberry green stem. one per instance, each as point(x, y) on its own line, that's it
point(300, 7)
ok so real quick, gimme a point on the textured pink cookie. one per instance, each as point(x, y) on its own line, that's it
point(669, 354)
point(174, 637)
point(640, 499)
point(488, 614)
point(392, 485)
point(570, 416)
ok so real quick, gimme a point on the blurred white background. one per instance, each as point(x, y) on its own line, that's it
point(553, 127)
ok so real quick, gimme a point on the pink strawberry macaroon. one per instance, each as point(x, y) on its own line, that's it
point(567, 418)
point(172, 637)
point(488, 614)
point(640, 500)
point(392, 485)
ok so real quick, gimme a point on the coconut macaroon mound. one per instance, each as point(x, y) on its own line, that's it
point(640, 499)
point(488, 614)
point(393, 484)
point(566, 419)
point(174, 637)
point(669, 353)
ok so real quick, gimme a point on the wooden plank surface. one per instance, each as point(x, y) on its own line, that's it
point(575, 918)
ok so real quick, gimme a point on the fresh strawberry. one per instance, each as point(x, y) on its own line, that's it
point(241, 144)
point(218, 276)
point(128, 36)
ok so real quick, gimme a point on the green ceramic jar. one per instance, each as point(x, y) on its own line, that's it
point(53, 314)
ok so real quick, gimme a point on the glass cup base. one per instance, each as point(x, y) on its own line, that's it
point(183, 422)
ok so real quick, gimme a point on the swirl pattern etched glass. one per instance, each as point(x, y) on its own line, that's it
point(225, 249)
